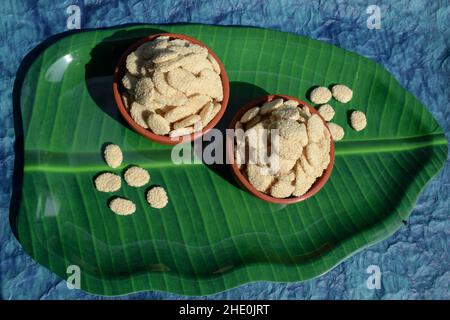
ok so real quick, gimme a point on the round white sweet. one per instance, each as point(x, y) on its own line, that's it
point(342, 93)
point(320, 95)
point(157, 197)
point(122, 206)
point(358, 120)
point(136, 176)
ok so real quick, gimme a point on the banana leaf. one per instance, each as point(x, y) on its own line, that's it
point(212, 235)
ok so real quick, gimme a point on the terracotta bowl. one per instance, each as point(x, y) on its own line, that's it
point(118, 89)
point(242, 180)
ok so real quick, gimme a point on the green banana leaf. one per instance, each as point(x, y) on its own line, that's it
point(213, 235)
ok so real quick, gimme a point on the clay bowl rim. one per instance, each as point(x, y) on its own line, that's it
point(118, 89)
point(318, 184)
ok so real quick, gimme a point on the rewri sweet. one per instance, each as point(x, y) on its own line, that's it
point(172, 86)
point(300, 152)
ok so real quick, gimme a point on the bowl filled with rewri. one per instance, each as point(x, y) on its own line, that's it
point(281, 151)
point(170, 88)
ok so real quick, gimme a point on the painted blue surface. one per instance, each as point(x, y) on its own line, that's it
point(413, 44)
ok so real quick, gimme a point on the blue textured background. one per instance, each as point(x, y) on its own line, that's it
point(413, 44)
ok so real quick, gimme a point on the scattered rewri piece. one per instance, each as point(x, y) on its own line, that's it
point(320, 95)
point(122, 206)
point(326, 111)
point(107, 182)
point(157, 197)
point(136, 176)
point(113, 155)
point(358, 120)
point(337, 132)
point(342, 93)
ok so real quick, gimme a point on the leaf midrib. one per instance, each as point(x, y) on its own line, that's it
point(162, 159)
